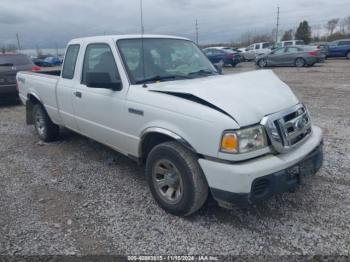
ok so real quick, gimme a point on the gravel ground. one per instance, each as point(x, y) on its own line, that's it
point(76, 196)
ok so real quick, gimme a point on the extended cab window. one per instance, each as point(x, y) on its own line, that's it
point(69, 61)
point(99, 59)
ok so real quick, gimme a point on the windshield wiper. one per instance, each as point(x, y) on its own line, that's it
point(162, 78)
point(202, 72)
point(6, 64)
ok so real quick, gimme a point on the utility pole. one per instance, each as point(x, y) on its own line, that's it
point(142, 27)
point(278, 23)
point(19, 45)
point(197, 29)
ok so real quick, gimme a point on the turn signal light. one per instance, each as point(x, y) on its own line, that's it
point(229, 143)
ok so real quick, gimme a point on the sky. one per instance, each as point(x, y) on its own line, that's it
point(47, 23)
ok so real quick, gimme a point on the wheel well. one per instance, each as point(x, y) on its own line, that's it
point(31, 102)
point(150, 141)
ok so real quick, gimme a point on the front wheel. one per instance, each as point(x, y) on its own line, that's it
point(45, 128)
point(175, 178)
point(300, 62)
point(262, 63)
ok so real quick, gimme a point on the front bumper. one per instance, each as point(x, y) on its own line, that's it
point(258, 179)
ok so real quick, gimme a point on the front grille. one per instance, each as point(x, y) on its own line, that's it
point(288, 128)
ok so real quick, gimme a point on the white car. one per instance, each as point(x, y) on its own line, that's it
point(159, 101)
point(288, 43)
point(254, 50)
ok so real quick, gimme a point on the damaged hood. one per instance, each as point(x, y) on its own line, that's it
point(245, 97)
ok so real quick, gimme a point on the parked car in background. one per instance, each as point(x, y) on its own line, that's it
point(222, 55)
point(288, 43)
point(298, 56)
point(49, 61)
point(254, 50)
point(10, 64)
point(339, 48)
point(323, 46)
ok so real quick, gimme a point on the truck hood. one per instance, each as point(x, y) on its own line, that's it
point(245, 97)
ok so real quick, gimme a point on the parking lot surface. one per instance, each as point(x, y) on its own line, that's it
point(76, 196)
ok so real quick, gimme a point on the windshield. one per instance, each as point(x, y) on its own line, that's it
point(165, 60)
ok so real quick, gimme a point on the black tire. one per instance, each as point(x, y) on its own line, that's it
point(233, 64)
point(194, 190)
point(300, 62)
point(348, 55)
point(262, 63)
point(44, 127)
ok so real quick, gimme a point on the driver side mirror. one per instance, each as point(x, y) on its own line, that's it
point(102, 80)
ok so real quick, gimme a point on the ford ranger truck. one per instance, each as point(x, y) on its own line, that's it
point(158, 100)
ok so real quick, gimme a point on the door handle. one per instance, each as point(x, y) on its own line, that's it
point(78, 94)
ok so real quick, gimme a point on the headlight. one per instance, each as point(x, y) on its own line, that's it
point(243, 140)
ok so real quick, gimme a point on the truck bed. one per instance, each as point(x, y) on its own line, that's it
point(42, 85)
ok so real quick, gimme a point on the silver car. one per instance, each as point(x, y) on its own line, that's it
point(298, 56)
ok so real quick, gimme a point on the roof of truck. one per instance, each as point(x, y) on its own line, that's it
point(118, 37)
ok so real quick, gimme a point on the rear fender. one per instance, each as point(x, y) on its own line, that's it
point(31, 101)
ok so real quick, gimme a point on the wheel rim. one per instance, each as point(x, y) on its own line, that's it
point(262, 63)
point(40, 123)
point(167, 181)
point(299, 62)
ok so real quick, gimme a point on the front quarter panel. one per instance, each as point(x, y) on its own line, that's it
point(199, 125)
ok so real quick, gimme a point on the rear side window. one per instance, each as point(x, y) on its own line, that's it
point(344, 42)
point(14, 60)
point(292, 50)
point(299, 42)
point(99, 59)
point(279, 51)
point(69, 61)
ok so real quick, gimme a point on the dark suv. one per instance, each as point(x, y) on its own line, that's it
point(10, 64)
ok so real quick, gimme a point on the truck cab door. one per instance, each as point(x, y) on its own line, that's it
point(100, 107)
point(65, 88)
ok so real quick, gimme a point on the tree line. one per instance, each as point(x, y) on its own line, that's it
point(336, 28)
point(333, 29)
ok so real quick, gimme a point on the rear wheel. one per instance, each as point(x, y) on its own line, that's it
point(175, 178)
point(262, 63)
point(348, 55)
point(45, 128)
point(300, 62)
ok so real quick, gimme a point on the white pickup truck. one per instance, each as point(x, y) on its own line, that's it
point(158, 100)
